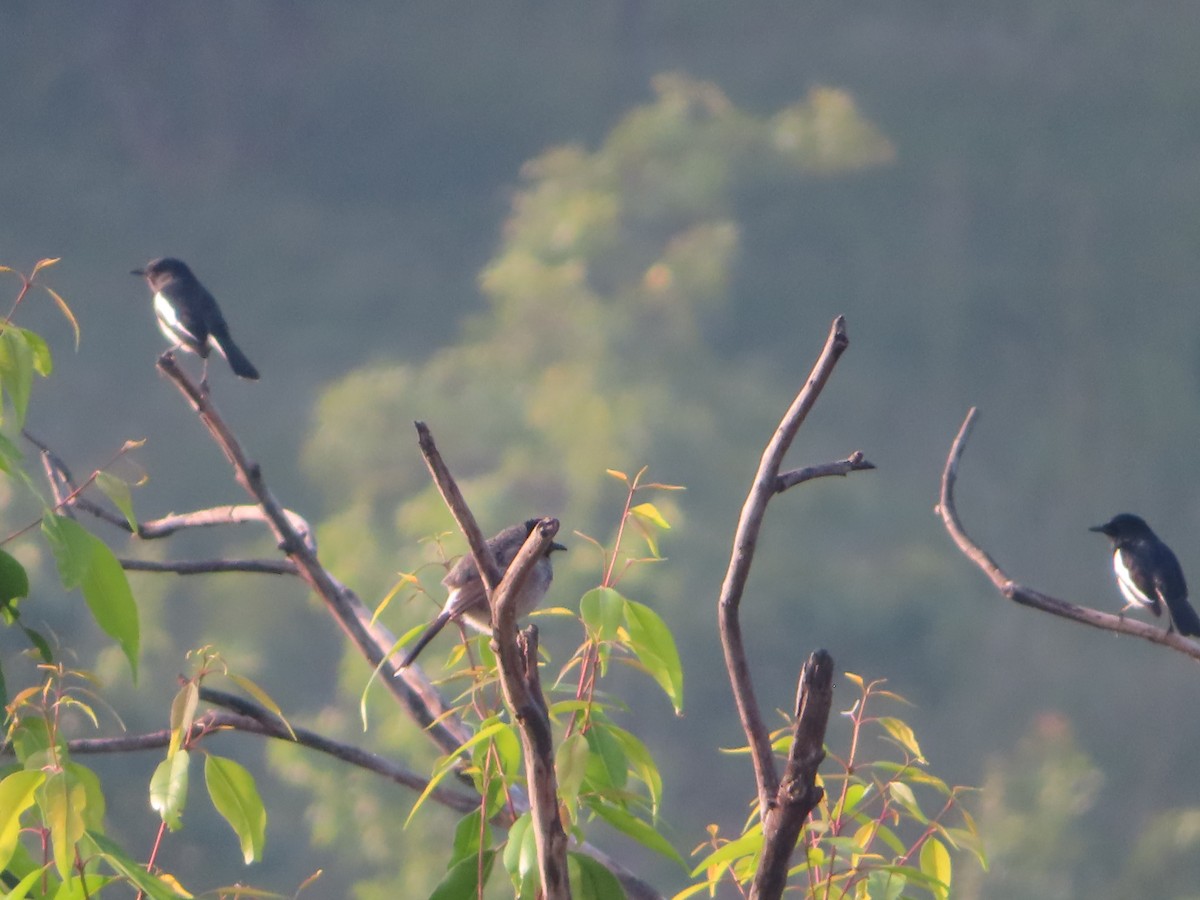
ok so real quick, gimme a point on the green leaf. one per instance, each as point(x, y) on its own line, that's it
point(94, 807)
point(72, 547)
point(17, 794)
point(63, 800)
point(749, 844)
point(902, 734)
point(84, 561)
point(467, 838)
point(16, 370)
point(117, 490)
point(183, 713)
point(654, 645)
point(108, 596)
point(10, 458)
point(85, 888)
point(935, 863)
point(640, 831)
point(570, 766)
point(262, 697)
point(591, 881)
point(640, 759)
point(21, 890)
point(607, 766)
point(462, 881)
point(14, 582)
point(168, 788)
point(43, 364)
point(236, 798)
point(601, 610)
point(153, 887)
point(904, 795)
point(649, 513)
point(520, 856)
point(884, 885)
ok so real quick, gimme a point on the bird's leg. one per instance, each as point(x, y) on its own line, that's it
point(204, 377)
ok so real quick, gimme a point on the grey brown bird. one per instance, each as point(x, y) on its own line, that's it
point(468, 602)
point(189, 317)
point(1148, 573)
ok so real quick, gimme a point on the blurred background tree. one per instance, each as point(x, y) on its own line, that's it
point(340, 183)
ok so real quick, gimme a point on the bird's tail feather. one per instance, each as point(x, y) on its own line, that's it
point(241, 366)
point(1184, 616)
point(430, 633)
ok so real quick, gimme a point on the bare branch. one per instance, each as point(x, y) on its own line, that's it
point(855, 462)
point(212, 566)
point(1025, 596)
point(250, 718)
point(374, 641)
point(798, 791)
point(518, 667)
point(765, 485)
point(519, 679)
point(485, 562)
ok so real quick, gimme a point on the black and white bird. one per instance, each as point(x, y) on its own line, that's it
point(1148, 573)
point(189, 317)
point(468, 600)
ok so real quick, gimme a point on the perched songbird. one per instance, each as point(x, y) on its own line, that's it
point(1148, 572)
point(189, 316)
point(468, 598)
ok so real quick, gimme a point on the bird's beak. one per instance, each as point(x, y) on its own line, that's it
point(555, 545)
point(141, 272)
point(1099, 528)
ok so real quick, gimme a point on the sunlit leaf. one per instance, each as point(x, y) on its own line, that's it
point(168, 788)
point(17, 794)
point(748, 844)
point(654, 645)
point(236, 798)
point(183, 713)
point(63, 800)
point(935, 863)
point(649, 513)
point(902, 734)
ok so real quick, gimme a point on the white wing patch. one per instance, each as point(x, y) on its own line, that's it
point(1129, 589)
point(168, 322)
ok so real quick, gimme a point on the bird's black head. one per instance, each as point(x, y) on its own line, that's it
point(160, 271)
point(531, 524)
point(1124, 525)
